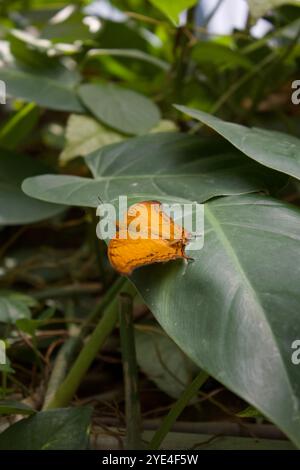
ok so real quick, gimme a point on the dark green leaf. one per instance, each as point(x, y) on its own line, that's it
point(41, 88)
point(28, 325)
point(271, 148)
point(233, 315)
point(10, 407)
point(220, 56)
point(161, 166)
point(124, 110)
point(59, 429)
point(16, 207)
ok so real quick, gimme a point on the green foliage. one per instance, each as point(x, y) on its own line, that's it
point(259, 7)
point(14, 306)
point(9, 407)
point(226, 310)
point(16, 207)
point(213, 54)
point(124, 110)
point(232, 142)
point(162, 361)
point(50, 92)
point(17, 129)
point(270, 148)
point(162, 166)
point(174, 8)
point(84, 135)
point(61, 429)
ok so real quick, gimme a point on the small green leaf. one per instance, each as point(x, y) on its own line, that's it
point(12, 308)
point(10, 407)
point(121, 109)
point(6, 369)
point(172, 8)
point(28, 325)
point(20, 296)
point(59, 429)
point(250, 412)
point(47, 314)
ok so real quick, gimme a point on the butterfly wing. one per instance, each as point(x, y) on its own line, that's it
point(159, 238)
point(155, 222)
point(127, 255)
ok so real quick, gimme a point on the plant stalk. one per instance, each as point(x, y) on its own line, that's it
point(106, 324)
point(130, 374)
point(176, 410)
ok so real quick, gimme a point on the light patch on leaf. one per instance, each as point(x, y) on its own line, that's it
point(84, 135)
point(259, 7)
point(165, 125)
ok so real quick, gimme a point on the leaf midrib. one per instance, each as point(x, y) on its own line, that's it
point(165, 175)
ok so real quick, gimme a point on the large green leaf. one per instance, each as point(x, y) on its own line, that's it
point(60, 429)
point(124, 110)
point(271, 148)
point(173, 8)
point(160, 166)
point(42, 88)
point(16, 207)
point(235, 309)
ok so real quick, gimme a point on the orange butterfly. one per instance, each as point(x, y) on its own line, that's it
point(147, 235)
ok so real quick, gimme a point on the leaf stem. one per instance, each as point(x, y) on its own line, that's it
point(130, 374)
point(106, 324)
point(176, 410)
